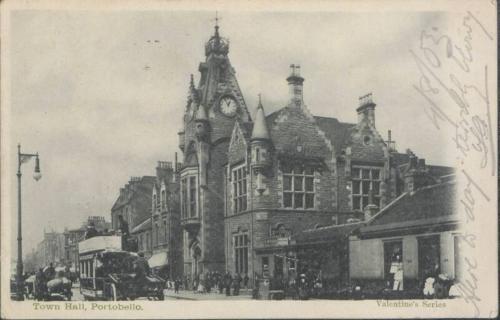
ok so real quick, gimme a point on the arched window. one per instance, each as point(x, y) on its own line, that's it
point(163, 198)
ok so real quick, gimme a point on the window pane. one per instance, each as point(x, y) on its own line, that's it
point(377, 202)
point(376, 187)
point(287, 200)
point(299, 200)
point(375, 174)
point(287, 183)
point(355, 173)
point(244, 203)
point(366, 187)
point(297, 183)
point(309, 200)
point(366, 173)
point(355, 203)
point(365, 202)
point(309, 171)
point(309, 184)
point(356, 187)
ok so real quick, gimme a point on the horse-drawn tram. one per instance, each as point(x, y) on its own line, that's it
point(109, 273)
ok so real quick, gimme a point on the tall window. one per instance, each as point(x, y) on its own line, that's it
point(184, 195)
point(298, 187)
point(364, 179)
point(240, 189)
point(189, 200)
point(163, 199)
point(165, 229)
point(192, 196)
point(157, 232)
point(241, 253)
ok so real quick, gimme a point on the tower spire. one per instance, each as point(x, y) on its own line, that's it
point(260, 130)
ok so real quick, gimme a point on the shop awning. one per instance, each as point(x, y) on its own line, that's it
point(158, 260)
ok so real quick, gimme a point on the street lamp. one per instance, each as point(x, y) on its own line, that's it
point(22, 158)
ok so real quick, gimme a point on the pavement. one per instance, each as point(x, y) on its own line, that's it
point(190, 295)
point(245, 294)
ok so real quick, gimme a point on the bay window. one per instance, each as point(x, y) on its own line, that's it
point(189, 201)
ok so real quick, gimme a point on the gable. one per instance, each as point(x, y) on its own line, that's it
point(237, 145)
point(293, 131)
point(366, 144)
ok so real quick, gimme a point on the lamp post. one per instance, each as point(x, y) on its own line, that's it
point(22, 158)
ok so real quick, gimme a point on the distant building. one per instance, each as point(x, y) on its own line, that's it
point(166, 227)
point(142, 234)
point(51, 249)
point(74, 236)
point(71, 239)
point(133, 202)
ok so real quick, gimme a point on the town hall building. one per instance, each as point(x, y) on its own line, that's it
point(250, 186)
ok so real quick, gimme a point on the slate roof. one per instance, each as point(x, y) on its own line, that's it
point(143, 226)
point(436, 203)
point(144, 187)
point(337, 132)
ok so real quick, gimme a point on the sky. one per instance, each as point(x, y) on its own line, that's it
point(100, 95)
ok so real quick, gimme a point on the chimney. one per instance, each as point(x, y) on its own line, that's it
point(415, 176)
point(176, 168)
point(366, 109)
point(164, 170)
point(295, 86)
point(371, 209)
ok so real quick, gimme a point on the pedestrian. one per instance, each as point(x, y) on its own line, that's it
point(245, 281)
point(236, 283)
point(40, 285)
point(177, 284)
point(227, 282)
point(50, 273)
point(220, 283)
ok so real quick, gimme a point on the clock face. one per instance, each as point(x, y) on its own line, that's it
point(228, 106)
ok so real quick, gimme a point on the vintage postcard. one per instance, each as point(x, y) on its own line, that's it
point(249, 159)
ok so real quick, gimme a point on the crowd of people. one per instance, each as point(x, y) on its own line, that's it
point(213, 281)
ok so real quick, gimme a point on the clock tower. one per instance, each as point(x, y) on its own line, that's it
point(213, 107)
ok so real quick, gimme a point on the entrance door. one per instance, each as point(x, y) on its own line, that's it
point(393, 253)
point(428, 256)
point(278, 267)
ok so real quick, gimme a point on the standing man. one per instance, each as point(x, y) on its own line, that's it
point(227, 282)
point(237, 283)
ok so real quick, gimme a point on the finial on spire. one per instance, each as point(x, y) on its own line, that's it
point(191, 81)
point(217, 23)
point(260, 102)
